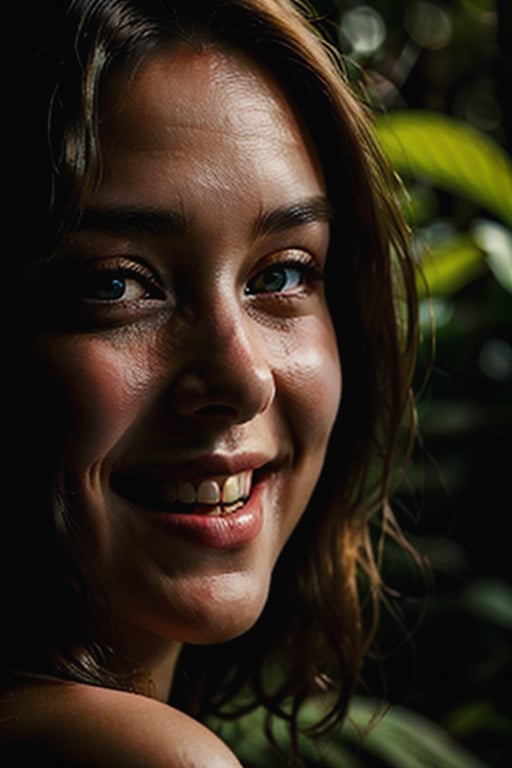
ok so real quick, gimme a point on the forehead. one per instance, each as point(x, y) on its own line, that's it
point(191, 127)
point(197, 90)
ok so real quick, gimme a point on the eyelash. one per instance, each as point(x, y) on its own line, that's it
point(122, 270)
point(77, 298)
point(125, 270)
point(301, 262)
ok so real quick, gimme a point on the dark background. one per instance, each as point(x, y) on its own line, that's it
point(451, 57)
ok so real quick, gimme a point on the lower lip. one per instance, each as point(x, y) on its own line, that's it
point(230, 531)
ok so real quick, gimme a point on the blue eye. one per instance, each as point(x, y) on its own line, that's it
point(277, 278)
point(108, 286)
point(105, 292)
point(118, 285)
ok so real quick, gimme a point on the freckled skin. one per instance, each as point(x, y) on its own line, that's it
point(208, 369)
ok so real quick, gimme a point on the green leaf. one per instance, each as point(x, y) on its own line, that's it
point(451, 155)
point(404, 739)
point(399, 738)
point(491, 600)
point(451, 264)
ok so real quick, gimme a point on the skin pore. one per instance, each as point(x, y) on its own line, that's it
point(192, 347)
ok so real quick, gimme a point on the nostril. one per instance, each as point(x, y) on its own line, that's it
point(212, 388)
point(216, 410)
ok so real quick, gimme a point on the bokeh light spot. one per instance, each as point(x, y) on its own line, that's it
point(364, 29)
point(428, 25)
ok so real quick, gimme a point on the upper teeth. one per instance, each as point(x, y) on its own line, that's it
point(225, 490)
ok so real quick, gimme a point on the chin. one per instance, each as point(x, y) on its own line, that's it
point(224, 619)
point(204, 611)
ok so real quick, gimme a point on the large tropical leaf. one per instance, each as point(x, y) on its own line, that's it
point(405, 739)
point(399, 738)
point(452, 156)
point(451, 264)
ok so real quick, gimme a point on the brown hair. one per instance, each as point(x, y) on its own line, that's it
point(312, 625)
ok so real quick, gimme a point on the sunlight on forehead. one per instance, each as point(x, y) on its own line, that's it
point(230, 93)
point(205, 133)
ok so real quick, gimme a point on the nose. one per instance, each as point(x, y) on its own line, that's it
point(225, 371)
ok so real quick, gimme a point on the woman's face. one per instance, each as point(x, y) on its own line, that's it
point(192, 347)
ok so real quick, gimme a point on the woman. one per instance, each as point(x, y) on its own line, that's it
point(212, 239)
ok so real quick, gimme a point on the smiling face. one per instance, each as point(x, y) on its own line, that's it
point(192, 345)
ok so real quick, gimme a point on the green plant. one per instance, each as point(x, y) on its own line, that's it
point(458, 190)
point(441, 153)
point(372, 736)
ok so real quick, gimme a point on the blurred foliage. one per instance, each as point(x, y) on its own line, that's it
point(450, 155)
point(439, 76)
point(444, 152)
point(372, 736)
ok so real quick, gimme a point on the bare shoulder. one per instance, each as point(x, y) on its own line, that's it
point(80, 725)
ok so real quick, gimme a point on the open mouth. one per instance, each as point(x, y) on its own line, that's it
point(215, 496)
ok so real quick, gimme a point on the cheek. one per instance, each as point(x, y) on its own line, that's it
point(98, 391)
point(311, 381)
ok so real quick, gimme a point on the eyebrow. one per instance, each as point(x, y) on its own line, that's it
point(298, 214)
point(160, 223)
point(148, 222)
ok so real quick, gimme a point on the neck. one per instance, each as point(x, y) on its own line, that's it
point(157, 656)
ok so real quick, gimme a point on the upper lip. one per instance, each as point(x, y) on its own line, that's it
point(208, 465)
